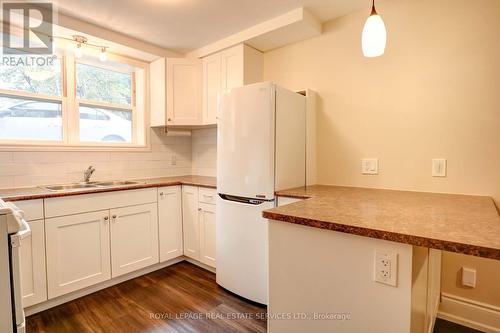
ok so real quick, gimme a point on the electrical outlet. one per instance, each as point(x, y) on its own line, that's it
point(439, 167)
point(173, 159)
point(469, 277)
point(369, 166)
point(386, 268)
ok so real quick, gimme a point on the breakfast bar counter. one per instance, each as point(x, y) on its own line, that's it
point(457, 223)
point(355, 257)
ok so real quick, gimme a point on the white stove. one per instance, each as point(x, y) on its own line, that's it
point(13, 228)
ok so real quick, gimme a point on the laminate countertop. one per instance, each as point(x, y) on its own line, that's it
point(456, 223)
point(29, 193)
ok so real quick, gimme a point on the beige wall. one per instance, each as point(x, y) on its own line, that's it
point(434, 94)
point(19, 169)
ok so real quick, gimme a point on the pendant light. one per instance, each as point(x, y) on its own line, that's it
point(374, 35)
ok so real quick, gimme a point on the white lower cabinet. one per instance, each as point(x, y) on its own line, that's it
point(134, 238)
point(191, 230)
point(206, 218)
point(170, 222)
point(33, 274)
point(198, 211)
point(78, 251)
point(73, 249)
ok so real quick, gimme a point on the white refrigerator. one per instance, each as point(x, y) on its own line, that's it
point(261, 148)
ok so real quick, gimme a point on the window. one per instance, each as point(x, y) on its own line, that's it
point(106, 104)
point(31, 102)
point(73, 102)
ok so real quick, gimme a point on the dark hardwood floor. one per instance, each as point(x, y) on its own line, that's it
point(179, 298)
point(443, 326)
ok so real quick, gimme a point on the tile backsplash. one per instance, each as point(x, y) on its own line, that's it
point(204, 152)
point(170, 156)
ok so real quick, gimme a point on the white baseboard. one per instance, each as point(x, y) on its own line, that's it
point(466, 312)
point(200, 264)
point(106, 284)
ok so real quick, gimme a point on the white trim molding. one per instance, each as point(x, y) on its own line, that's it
point(470, 313)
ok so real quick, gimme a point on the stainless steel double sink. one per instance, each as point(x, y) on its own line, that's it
point(80, 186)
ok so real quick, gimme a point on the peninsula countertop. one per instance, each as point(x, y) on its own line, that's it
point(457, 223)
point(29, 193)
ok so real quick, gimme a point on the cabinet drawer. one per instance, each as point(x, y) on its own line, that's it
point(33, 209)
point(207, 195)
point(98, 201)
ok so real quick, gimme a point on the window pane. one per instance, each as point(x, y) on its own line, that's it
point(105, 125)
point(103, 85)
point(22, 119)
point(31, 77)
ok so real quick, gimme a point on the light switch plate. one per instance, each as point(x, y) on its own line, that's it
point(469, 277)
point(369, 166)
point(439, 167)
point(386, 268)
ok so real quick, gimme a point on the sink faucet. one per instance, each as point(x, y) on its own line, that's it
point(88, 173)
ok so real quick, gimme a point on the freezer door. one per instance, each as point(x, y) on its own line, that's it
point(242, 248)
point(245, 141)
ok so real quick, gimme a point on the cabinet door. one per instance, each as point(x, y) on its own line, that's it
point(191, 230)
point(33, 271)
point(170, 222)
point(184, 91)
point(158, 108)
point(207, 234)
point(232, 67)
point(78, 251)
point(134, 238)
point(211, 87)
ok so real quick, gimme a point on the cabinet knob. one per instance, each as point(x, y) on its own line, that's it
point(114, 216)
point(106, 218)
point(161, 193)
point(169, 119)
point(199, 209)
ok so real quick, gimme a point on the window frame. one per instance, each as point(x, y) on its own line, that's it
point(70, 110)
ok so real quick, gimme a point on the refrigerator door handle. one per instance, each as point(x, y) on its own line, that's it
point(246, 201)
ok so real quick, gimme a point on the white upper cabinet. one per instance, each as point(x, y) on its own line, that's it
point(170, 222)
point(158, 90)
point(211, 87)
point(184, 91)
point(183, 85)
point(134, 238)
point(233, 67)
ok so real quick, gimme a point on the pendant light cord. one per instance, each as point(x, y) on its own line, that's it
point(374, 12)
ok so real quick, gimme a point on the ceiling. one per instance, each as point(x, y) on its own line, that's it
point(185, 25)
